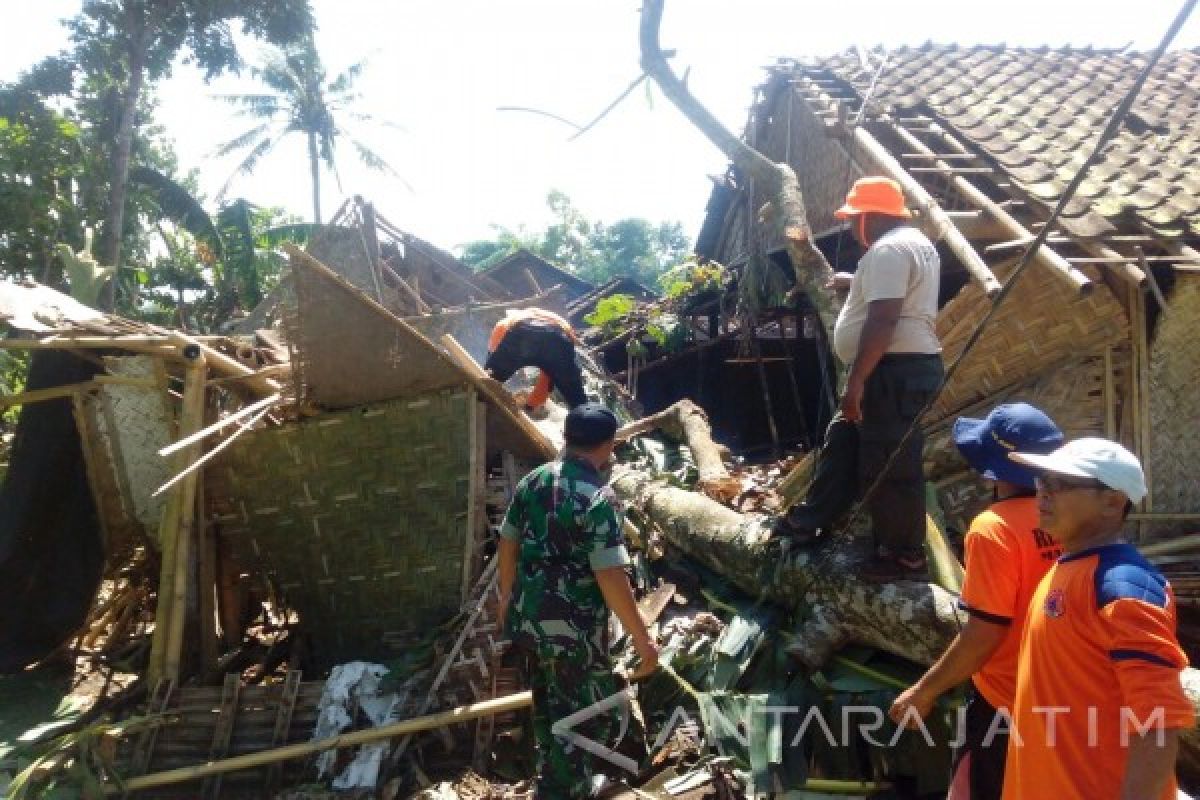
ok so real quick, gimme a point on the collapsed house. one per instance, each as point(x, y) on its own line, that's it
point(360, 458)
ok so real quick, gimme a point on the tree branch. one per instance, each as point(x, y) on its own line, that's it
point(778, 181)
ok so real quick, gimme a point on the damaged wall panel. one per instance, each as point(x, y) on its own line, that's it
point(361, 516)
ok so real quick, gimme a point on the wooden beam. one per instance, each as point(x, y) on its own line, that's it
point(499, 705)
point(924, 202)
point(1123, 265)
point(944, 228)
point(1045, 256)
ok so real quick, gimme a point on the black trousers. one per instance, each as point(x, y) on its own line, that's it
point(547, 347)
point(854, 455)
point(984, 756)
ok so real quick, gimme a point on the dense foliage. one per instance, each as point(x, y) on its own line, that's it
point(632, 247)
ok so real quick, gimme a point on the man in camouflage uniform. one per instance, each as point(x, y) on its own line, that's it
point(562, 568)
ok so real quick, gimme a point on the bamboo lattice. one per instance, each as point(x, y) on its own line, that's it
point(360, 516)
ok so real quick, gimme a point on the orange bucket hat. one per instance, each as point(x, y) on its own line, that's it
point(874, 194)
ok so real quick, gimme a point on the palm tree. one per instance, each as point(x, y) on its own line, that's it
point(302, 102)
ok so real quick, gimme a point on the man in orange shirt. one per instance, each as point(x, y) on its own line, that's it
point(1099, 703)
point(534, 337)
point(1007, 554)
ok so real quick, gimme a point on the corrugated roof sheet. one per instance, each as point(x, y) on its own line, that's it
point(1037, 112)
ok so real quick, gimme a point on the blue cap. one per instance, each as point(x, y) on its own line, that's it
point(589, 425)
point(1010, 428)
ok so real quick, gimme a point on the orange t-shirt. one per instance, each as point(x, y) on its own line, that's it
point(1007, 554)
point(1099, 664)
point(541, 389)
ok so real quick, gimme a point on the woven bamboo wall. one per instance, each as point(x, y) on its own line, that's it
point(122, 427)
point(350, 351)
point(1073, 395)
point(1174, 457)
point(1039, 328)
point(362, 516)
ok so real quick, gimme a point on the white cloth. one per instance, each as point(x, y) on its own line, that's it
point(902, 263)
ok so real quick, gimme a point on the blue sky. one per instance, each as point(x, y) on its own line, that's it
point(440, 68)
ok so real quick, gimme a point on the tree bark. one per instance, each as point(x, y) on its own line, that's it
point(119, 181)
point(686, 422)
point(779, 182)
point(314, 166)
point(912, 620)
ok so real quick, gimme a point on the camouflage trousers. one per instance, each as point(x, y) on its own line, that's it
point(561, 686)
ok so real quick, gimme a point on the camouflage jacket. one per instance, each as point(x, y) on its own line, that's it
point(568, 525)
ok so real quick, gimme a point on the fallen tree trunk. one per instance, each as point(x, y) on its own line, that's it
point(913, 620)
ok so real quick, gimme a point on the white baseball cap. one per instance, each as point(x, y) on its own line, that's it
point(1093, 457)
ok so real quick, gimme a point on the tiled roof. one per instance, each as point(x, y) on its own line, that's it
point(1037, 112)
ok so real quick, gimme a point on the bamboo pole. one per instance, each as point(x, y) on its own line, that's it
point(40, 395)
point(946, 229)
point(177, 527)
point(211, 454)
point(1110, 397)
point(1076, 279)
point(191, 419)
point(1147, 436)
point(1122, 265)
point(92, 343)
point(1169, 547)
point(266, 402)
point(498, 705)
point(206, 580)
point(219, 361)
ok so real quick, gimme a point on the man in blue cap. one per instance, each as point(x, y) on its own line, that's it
point(1007, 553)
point(562, 569)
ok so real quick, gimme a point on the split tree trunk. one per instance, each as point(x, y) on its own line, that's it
point(785, 209)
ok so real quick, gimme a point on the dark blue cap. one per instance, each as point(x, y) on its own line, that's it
point(1010, 428)
point(589, 425)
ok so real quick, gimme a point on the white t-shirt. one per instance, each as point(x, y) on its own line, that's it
point(903, 263)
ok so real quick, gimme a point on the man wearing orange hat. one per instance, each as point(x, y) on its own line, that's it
point(885, 335)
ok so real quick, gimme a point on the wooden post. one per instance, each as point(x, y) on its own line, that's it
point(206, 551)
point(1110, 399)
point(178, 525)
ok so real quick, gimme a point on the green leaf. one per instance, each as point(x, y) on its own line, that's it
point(178, 205)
